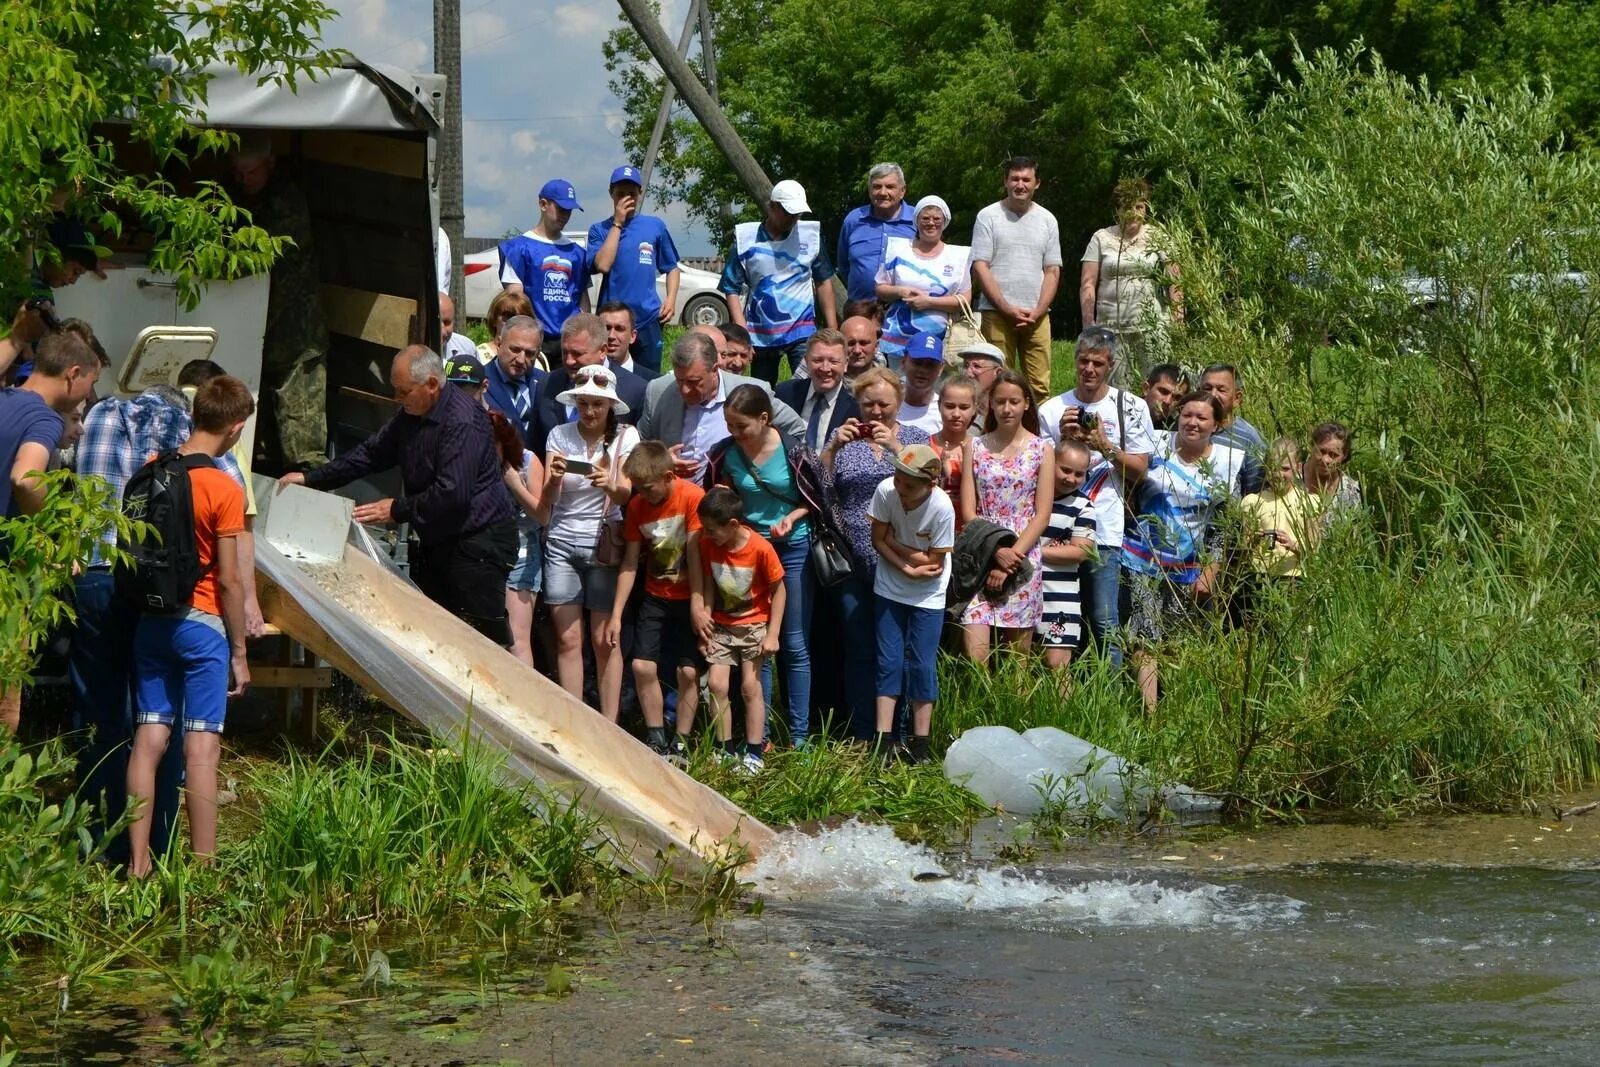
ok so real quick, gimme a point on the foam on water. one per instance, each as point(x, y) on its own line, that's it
point(870, 862)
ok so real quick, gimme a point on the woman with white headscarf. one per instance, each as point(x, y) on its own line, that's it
point(921, 278)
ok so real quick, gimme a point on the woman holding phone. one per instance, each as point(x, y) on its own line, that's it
point(581, 508)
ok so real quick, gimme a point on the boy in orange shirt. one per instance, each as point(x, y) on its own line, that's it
point(183, 661)
point(741, 574)
point(661, 524)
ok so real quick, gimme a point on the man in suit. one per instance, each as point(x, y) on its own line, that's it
point(512, 378)
point(583, 342)
point(621, 335)
point(822, 398)
point(685, 411)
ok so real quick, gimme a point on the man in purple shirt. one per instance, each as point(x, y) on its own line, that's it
point(452, 491)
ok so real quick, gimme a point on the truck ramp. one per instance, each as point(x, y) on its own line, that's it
point(377, 628)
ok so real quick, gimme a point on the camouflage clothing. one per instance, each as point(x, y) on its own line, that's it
point(294, 363)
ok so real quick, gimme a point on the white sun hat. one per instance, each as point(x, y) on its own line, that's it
point(598, 381)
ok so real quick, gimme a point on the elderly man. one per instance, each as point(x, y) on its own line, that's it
point(620, 338)
point(782, 267)
point(294, 353)
point(822, 398)
point(685, 411)
point(452, 492)
point(550, 269)
point(1016, 261)
point(736, 355)
point(512, 378)
point(981, 361)
point(629, 250)
point(861, 237)
point(583, 342)
point(1221, 380)
point(1115, 424)
point(454, 344)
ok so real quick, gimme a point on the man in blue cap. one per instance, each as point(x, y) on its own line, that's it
point(551, 270)
point(629, 250)
point(921, 366)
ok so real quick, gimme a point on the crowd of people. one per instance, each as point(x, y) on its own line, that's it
point(663, 538)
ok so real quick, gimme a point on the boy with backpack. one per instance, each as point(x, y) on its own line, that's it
point(660, 531)
point(189, 643)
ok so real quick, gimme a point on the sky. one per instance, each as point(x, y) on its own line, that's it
point(534, 105)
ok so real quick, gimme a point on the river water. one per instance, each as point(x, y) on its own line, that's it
point(1322, 964)
point(1469, 941)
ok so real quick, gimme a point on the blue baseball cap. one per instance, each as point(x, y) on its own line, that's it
point(561, 193)
point(627, 173)
point(925, 345)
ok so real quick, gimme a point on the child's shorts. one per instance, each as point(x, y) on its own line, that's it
point(527, 574)
point(180, 669)
point(663, 634)
point(1059, 629)
point(734, 644)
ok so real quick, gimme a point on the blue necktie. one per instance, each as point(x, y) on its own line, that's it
point(814, 421)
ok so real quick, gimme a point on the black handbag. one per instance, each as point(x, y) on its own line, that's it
point(830, 563)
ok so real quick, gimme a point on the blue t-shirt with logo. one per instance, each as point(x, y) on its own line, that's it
point(24, 419)
point(553, 275)
point(644, 250)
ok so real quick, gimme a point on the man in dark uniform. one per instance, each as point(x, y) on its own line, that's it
point(294, 352)
point(452, 491)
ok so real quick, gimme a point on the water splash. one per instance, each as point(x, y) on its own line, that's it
point(869, 862)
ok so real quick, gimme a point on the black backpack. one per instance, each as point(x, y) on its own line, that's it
point(163, 565)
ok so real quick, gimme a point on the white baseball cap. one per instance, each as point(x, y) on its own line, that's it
point(982, 350)
point(791, 196)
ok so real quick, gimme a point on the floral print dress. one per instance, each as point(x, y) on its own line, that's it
point(1006, 495)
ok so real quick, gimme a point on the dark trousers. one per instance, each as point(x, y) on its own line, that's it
point(646, 347)
point(466, 576)
point(858, 632)
point(768, 357)
point(100, 668)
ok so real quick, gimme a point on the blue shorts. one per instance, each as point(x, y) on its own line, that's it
point(571, 576)
point(180, 668)
point(527, 574)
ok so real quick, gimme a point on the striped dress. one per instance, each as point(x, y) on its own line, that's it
point(1061, 624)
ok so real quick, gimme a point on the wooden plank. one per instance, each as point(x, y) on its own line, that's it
point(368, 397)
point(366, 151)
point(272, 676)
point(367, 316)
point(454, 679)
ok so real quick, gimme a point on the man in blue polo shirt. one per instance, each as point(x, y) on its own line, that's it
point(886, 214)
point(552, 271)
point(782, 264)
point(629, 250)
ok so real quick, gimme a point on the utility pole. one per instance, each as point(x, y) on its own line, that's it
point(708, 59)
point(716, 124)
point(668, 94)
point(452, 211)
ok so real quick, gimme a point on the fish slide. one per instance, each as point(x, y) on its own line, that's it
point(320, 581)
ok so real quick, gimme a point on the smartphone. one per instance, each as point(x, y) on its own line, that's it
point(578, 466)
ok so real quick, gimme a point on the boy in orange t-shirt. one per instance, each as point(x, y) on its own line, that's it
point(182, 661)
point(662, 526)
point(741, 575)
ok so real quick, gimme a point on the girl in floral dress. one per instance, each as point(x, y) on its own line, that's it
point(1007, 477)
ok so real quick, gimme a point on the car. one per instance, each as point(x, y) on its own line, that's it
point(699, 302)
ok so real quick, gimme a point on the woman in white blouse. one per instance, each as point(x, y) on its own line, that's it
point(1128, 283)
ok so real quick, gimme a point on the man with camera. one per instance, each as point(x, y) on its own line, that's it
point(1116, 426)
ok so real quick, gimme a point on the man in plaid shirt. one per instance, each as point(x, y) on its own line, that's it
point(118, 437)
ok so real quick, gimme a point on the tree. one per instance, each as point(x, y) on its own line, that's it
point(72, 66)
point(821, 90)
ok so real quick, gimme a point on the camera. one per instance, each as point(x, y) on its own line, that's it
point(1087, 420)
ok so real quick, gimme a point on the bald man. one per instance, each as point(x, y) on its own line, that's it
point(452, 492)
point(456, 346)
point(714, 335)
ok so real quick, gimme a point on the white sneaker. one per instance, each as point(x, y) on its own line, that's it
point(750, 764)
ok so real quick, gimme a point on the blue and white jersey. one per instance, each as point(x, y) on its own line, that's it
point(644, 250)
point(1174, 506)
point(780, 276)
point(553, 275)
point(948, 272)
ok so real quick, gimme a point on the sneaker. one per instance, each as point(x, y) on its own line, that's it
point(677, 753)
point(750, 764)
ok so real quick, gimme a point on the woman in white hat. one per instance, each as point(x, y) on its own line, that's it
point(581, 508)
point(922, 278)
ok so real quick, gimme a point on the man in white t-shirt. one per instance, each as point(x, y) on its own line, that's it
point(921, 365)
point(1016, 263)
point(453, 344)
point(1115, 424)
